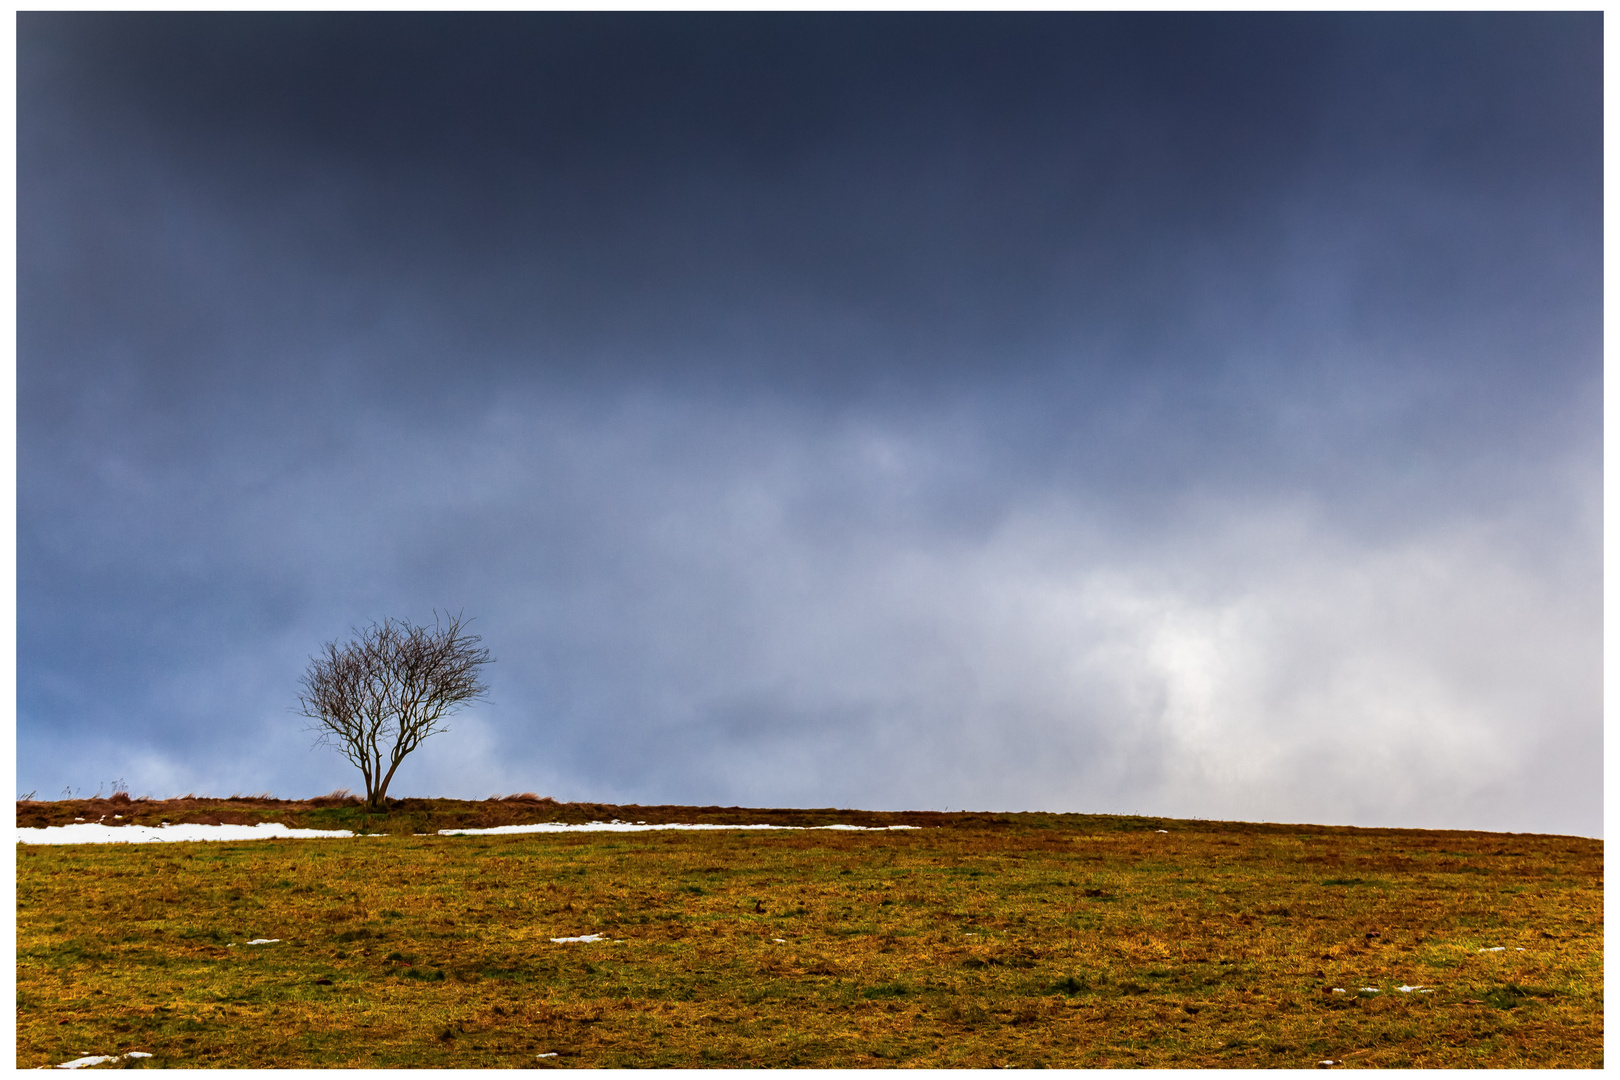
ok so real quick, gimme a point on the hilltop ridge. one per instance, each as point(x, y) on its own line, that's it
point(341, 810)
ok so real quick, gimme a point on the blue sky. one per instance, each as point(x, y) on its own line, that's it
point(1192, 415)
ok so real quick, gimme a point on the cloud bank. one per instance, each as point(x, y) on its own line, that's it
point(1212, 432)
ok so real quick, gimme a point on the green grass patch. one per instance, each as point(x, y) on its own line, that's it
point(1513, 995)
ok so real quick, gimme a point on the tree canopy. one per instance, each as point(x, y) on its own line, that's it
point(377, 697)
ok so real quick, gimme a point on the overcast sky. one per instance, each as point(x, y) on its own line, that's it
point(1169, 414)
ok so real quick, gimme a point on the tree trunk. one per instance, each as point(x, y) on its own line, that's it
point(382, 787)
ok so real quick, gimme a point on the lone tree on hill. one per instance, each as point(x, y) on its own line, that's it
point(376, 698)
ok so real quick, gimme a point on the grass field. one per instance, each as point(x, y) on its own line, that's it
point(1022, 940)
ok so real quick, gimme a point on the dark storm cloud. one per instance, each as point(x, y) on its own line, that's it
point(1160, 412)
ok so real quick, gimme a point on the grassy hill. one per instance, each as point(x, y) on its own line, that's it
point(976, 940)
point(407, 817)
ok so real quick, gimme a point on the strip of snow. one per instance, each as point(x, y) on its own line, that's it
point(95, 833)
point(583, 937)
point(264, 941)
point(625, 826)
point(1409, 989)
point(1338, 989)
point(1370, 990)
point(1498, 948)
point(552, 1054)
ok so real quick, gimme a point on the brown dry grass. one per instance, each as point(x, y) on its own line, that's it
point(1017, 940)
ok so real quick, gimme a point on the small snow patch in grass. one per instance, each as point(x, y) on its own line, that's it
point(779, 940)
point(1338, 989)
point(96, 1059)
point(1370, 990)
point(583, 937)
point(1498, 948)
point(1409, 989)
point(264, 941)
point(552, 1054)
point(1161, 830)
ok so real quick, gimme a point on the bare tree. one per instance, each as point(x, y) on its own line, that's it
point(376, 698)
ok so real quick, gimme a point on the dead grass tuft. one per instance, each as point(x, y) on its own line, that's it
point(339, 797)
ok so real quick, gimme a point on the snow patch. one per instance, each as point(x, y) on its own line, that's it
point(626, 826)
point(584, 937)
point(96, 1059)
point(264, 941)
point(1498, 948)
point(96, 833)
